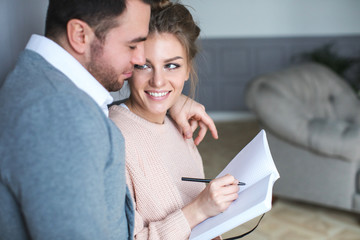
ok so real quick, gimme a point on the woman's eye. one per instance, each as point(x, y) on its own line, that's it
point(142, 67)
point(172, 66)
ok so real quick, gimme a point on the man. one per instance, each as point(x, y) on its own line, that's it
point(62, 159)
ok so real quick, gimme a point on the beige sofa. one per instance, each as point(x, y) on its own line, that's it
point(312, 118)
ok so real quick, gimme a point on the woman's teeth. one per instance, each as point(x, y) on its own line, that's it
point(158, 94)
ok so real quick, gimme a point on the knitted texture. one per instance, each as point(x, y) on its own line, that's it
point(157, 156)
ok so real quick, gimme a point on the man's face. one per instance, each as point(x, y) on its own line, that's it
point(112, 61)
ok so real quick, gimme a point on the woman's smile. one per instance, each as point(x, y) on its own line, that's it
point(158, 95)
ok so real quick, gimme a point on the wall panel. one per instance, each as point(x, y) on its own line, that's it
point(227, 65)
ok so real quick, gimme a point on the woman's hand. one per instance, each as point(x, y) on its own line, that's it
point(189, 114)
point(214, 199)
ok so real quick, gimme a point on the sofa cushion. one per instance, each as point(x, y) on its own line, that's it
point(311, 106)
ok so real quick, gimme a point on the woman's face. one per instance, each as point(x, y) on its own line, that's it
point(157, 85)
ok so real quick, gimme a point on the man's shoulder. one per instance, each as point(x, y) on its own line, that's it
point(33, 75)
point(36, 95)
point(34, 83)
point(55, 125)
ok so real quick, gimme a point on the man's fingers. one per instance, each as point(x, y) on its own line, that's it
point(201, 134)
point(186, 109)
point(186, 129)
point(193, 124)
point(207, 120)
point(185, 126)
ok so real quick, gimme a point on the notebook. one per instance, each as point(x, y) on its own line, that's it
point(254, 166)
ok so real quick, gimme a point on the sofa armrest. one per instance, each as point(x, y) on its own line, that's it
point(335, 138)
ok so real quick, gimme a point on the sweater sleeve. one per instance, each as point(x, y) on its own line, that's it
point(174, 226)
point(58, 170)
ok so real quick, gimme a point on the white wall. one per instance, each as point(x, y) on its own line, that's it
point(18, 20)
point(274, 18)
point(217, 18)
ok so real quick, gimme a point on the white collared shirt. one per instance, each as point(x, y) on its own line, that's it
point(68, 65)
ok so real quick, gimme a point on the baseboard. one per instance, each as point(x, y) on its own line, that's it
point(227, 116)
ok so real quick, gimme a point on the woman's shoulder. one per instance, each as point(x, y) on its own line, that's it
point(172, 124)
point(121, 117)
point(176, 130)
point(131, 125)
point(115, 110)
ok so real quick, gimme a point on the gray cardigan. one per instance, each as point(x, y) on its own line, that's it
point(62, 173)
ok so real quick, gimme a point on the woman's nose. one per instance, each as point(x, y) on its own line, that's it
point(158, 78)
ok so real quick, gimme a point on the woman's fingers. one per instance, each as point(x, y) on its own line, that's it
point(224, 181)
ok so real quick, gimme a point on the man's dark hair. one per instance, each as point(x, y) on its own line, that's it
point(98, 14)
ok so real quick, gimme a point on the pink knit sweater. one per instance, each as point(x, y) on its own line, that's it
point(157, 156)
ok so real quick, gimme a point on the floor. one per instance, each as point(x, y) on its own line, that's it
point(288, 220)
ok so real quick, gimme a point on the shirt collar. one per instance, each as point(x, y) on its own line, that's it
point(67, 64)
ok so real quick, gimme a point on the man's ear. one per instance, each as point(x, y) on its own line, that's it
point(79, 35)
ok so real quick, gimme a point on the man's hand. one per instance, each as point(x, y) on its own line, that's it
point(189, 115)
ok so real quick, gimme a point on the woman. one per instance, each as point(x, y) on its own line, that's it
point(157, 155)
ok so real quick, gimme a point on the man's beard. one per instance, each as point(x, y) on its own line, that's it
point(102, 72)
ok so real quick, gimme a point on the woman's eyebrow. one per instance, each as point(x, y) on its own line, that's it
point(174, 58)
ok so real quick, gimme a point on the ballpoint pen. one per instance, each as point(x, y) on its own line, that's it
point(204, 180)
